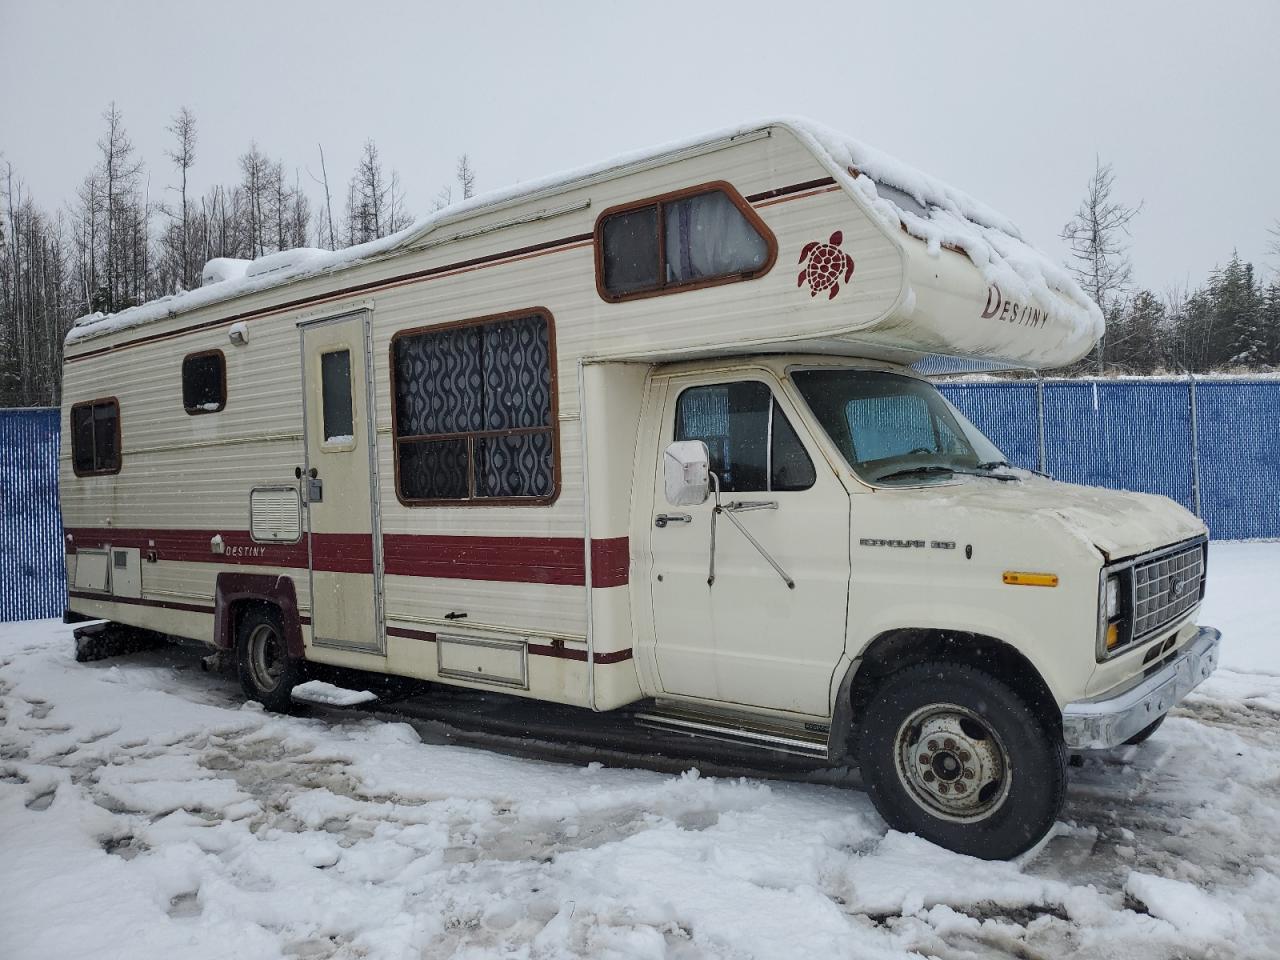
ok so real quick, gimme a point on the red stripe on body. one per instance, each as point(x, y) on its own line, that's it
point(550, 560)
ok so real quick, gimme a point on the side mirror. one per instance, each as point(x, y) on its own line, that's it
point(686, 468)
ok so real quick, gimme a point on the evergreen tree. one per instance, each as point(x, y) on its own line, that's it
point(1238, 339)
point(1139, 344)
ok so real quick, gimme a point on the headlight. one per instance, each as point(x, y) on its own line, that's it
point(1113, 629)
point(1113, 598)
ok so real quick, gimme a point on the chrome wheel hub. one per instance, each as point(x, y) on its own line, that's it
point(952, 763)
point(266, 657)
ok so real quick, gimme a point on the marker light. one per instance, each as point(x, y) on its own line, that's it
point(1021, 578)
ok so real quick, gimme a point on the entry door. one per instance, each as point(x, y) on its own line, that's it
point(748, 637)
point(340, 485)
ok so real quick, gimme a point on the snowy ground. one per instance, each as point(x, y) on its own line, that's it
point(145, 813)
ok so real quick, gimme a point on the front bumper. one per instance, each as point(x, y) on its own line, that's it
point(1111, 719)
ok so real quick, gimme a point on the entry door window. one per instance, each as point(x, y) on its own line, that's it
point(335, 389)
point(752, 444)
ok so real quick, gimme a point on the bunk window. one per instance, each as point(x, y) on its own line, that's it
point(95, 437)
point(684, 240)
point(475, 412)
point(204, 382)
point(752, 444)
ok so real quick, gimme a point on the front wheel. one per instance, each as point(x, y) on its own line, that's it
point(267, 673)
point(956, 756)
point(1145, 733)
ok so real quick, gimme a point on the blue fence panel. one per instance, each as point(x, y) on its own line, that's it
point(1143, 433)
point(1005, 412)
point(1137, 435)
point(32, 571)
point(1239, 428)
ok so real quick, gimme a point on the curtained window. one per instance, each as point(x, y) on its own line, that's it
point(687, 239)
point(475, 411)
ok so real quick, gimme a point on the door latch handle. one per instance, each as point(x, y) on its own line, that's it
point(662, 519)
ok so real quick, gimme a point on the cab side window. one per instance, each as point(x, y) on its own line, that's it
point(752, 444)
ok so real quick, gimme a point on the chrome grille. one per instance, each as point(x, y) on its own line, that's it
point(1166, 588)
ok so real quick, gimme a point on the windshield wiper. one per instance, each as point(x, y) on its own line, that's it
point(912, 471)
point(994, 464)
point(936, 468)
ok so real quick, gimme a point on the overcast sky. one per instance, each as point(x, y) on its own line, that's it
point(1008, 101)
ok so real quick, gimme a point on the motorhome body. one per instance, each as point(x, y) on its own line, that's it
point(445, 455)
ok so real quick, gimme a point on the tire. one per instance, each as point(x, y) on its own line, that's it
point(267, 673)
point(1145, 733)
point(957, 757)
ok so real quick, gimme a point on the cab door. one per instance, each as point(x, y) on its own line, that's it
point(340, 485)
point(766, 626)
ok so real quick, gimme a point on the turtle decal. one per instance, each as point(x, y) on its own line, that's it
point(826, 262)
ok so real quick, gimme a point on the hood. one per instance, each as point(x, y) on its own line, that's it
point(1118, 523)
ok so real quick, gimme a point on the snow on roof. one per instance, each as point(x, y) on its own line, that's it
point(941, 215)
point(898, 194)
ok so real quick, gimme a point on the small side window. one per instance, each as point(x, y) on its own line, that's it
point(679, 241)
point(752, 444)
point(204, 382)
point(95, 437)
point(335, 388)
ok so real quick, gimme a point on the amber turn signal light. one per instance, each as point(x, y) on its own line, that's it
point(1019, 578)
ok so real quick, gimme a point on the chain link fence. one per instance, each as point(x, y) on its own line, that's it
point(1211, 445)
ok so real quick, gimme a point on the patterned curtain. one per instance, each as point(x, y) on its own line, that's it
point(482, 394)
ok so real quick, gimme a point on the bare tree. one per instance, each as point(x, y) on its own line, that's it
point(183, 156)
point(328, 202)
point(119, 170)
point(375, 201)
point(255, 182)
point(1096, 236)
point(466, 177)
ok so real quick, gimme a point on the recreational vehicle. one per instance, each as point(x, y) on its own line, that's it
point(650, 437)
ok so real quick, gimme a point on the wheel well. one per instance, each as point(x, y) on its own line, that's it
point(237, 593)
point(896, 649)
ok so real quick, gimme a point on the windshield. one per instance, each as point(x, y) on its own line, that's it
point(895, 429)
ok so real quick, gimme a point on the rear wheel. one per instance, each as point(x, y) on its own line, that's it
point(267, 673)
point(956, 756)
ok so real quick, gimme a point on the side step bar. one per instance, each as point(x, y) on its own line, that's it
point(804, 743)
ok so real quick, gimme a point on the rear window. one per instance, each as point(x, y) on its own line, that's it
point(95, 437)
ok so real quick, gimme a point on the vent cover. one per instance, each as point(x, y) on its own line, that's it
point(275, 514)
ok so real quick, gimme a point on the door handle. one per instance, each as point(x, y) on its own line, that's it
point(662, 519)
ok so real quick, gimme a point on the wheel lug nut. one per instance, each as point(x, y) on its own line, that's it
point(960, 787)
point(964, 756)
point(968, 772)
point(928, 776)
point(949, 743)
point(925, 758)
point(933, 745)
point(943, 788)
